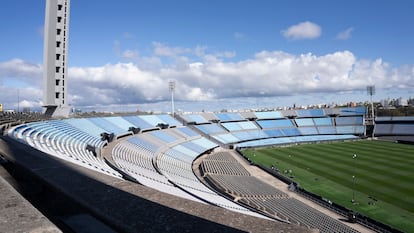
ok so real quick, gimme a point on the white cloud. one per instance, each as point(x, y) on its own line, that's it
point(26, 96)
point(206, 77)
point(304, 30)
point(346, 34)
point(20, 68)
point(166, 51)
point(130, 54)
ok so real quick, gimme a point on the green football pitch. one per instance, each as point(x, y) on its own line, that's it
point(380, 177)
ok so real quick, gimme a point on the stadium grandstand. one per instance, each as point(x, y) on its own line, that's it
point(395, 128)
point(191, 157)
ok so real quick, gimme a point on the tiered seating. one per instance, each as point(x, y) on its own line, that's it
point(194, 118)
point(250, 135)
point(289, 132)
point(205, 143)
point(224, 117)
point(176, 165)
point(296, 211)
point(323, 121)
point(169, 120)
point(223, 163)
point(301, 122)
point(403, 129)
point(165, 137)
point(229, 168)
point(350, 111)
point(137, 121)
point(403, 118)
point(263, 125)
point(281, 123)
point(163, 160)
point(187, 132)
point(248, 115)
point(162, 155)
point(324, 125)
point(383, 129)
point(209, 116)
point(221, 156)
point(211, 129)
point(349, 121)
point(310, 113)
point(108, 126)
point(273, 133)
point(246, 186)
point(77, 139)
point(264, 198)
point(240, 125)
point(394, 126)
point(350, 125)
point(87, 126)
point(231, 177)
point(120, 122)
point(268, 115)
point(134, 156)
point(62, 140)
point(226, 138)
point(8, 119)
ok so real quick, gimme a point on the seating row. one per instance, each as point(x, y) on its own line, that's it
point(63, 141)
point(265, 198)
point(394, 126)
point(297, 212)
point(203, 118)
point(245, 186)
point(163, 160)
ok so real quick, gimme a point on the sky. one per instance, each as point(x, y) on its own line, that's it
point(220, 53)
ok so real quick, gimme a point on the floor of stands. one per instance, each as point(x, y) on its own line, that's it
point(257, 172)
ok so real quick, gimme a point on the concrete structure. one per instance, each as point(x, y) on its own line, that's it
point(55, 58)
point(18, 214)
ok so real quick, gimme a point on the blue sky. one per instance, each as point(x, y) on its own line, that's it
point(124, 51)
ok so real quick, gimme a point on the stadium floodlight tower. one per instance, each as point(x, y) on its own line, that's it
point(371, 92)
point(171, 86)
point(55, 48)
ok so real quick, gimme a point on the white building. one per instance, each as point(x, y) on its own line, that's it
point(401, 102)
point(55, 50)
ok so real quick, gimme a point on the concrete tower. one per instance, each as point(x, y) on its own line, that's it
point(55, 51)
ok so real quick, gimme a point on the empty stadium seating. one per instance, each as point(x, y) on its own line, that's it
point(223, 172)
point(394, 126)
point(64, 141)
point(162, 154)
point(233, 128)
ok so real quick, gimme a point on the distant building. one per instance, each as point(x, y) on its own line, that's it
point(385, 103)
point(401, 102)
point(55, 50)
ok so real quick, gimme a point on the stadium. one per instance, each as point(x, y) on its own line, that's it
point(193, 157)
point(227, 171)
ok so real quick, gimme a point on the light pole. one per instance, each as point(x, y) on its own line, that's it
point(353, 178)
point(171, 85)
point(371, 92)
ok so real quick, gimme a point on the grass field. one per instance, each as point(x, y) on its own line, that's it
point(383, 187)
